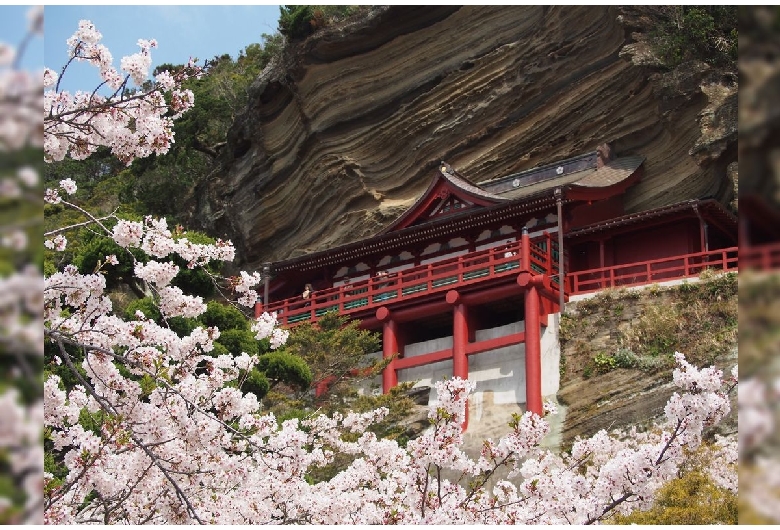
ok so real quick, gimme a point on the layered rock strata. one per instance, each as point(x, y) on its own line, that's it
point(346, 129)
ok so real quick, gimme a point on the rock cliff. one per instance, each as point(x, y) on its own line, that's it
point(616, 352)
point(345, 129)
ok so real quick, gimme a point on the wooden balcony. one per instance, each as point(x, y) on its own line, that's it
point(493, 266)
point(484, 267)
point(652, 271)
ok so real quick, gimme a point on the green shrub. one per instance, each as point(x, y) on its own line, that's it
point(630, 294)
point(688, 288)
point(587, 372)
point(295, 21)
point(656, 332)
point(721, 286)
point(256, 383)
point(239, 340)
point(279, 366)
point(692, 499)
point(92, 254)
point(567, 328)
point(562, 366)
point(147, 306)
point(651, 364)
point(604, 363)
point(218, 350)
point(182, 326)
point(705, 33)
point(224, 317)
point(625, 358)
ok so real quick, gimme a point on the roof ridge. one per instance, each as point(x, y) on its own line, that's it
point(543, 167)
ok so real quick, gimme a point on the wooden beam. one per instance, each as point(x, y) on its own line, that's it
point(422, 360)
point(496, 343)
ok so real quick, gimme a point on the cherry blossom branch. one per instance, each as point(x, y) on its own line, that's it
point(611, 506)
point(92, 220)
point(109, 408)
point(62, 339)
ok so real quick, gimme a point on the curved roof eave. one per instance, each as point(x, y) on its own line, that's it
point(710, 207)
point(614, 172)
point(389, 240)
point(456, 184)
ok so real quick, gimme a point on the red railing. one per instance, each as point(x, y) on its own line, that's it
point(761, 257)
point(420, 281)
point(652, 271)
point(503, 261)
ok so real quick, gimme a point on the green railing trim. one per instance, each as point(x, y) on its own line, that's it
point(475, 274)
point(385, 296)
point(506, 266)
point(321, 311)
point(414, 289)
point(352, 304)
point(445, 281)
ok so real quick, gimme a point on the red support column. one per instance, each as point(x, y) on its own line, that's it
point(533, 352)
point(533, 347)
point(601, 262)
point(525, 251)
point(460, 339)
point(390, 346)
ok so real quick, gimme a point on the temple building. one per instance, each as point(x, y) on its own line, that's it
point(470, 280)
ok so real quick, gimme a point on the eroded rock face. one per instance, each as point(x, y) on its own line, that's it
point(344, 135)
point(623, 397)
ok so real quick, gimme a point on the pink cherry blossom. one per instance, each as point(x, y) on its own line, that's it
point(59, 243)
point(68, 185)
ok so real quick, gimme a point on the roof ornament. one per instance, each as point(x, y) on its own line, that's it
point(604, 155)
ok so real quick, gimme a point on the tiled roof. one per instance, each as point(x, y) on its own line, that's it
point(456, 180)
point(504, 197)
point(615, 171)
point(712, 208)
point(579, 171)
point(557, 182)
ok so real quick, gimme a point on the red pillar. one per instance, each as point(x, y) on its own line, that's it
point(460, 339)
point(601, 264)
point(525, 251)
point(533, 351)
point(389, 348)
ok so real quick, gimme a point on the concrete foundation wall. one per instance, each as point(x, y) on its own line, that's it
point(499, 372)
point(551, 356)
point(500, 378)
point(430, 373)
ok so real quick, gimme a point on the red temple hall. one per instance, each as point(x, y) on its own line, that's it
point(470, 280)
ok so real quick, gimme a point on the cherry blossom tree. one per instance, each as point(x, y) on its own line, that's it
point(157, 430)
point(758, 408)
point(21, 329)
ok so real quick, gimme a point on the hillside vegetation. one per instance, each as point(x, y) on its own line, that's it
point(617, 349)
